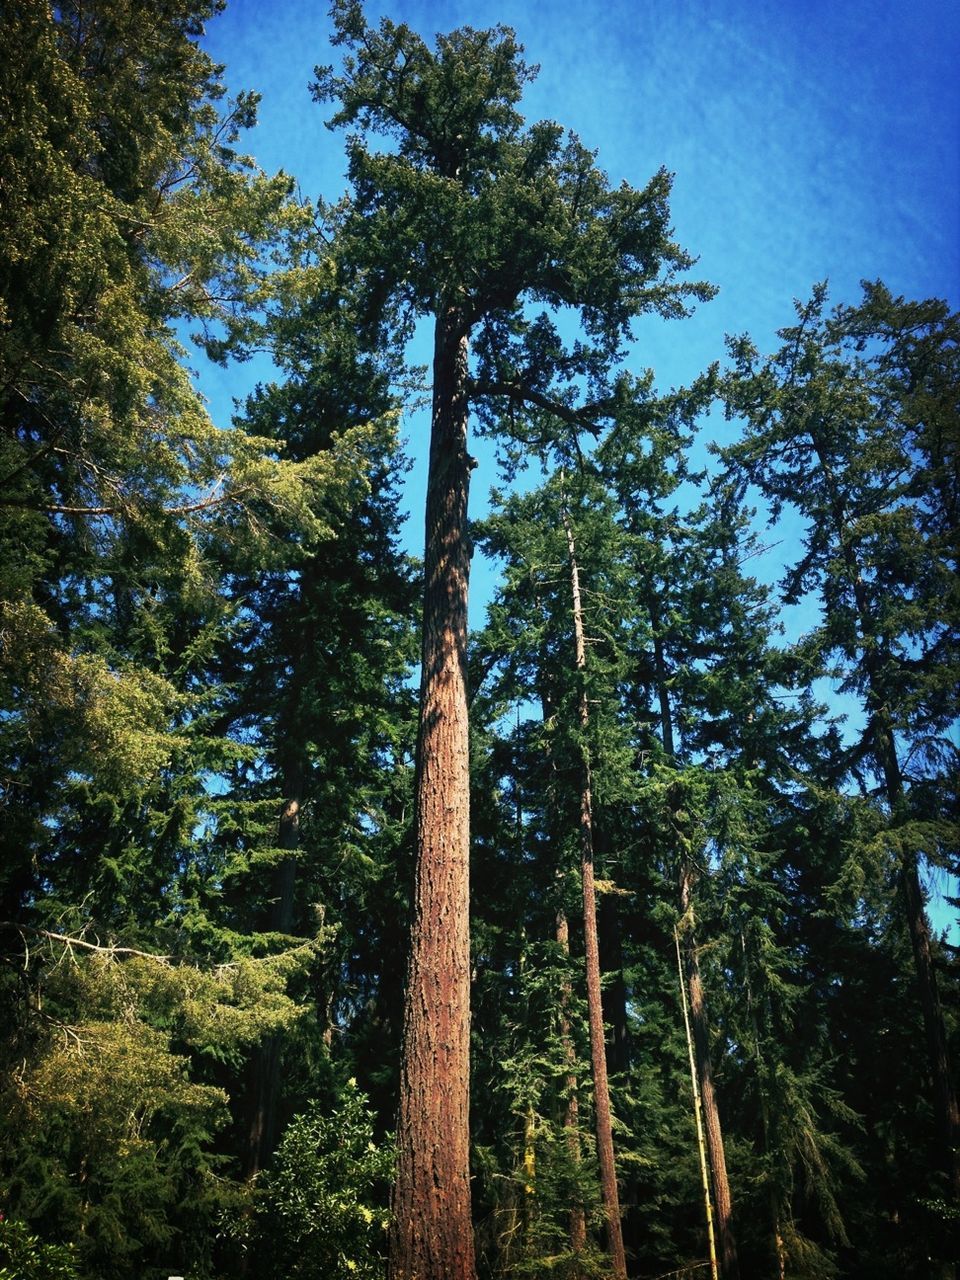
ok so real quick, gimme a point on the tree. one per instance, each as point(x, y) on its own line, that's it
point(601, 1088)
point(127, 516)
point(469, 218)
point(847, 422)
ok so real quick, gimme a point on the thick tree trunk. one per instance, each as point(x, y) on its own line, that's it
point(729, 1265)
point(262, 1132)
point(432, 1234)
point(608, 1170)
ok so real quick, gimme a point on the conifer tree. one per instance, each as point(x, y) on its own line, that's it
point(846, 422)
point(470, 217)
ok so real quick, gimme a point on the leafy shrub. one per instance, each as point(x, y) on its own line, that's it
point(25, 1257)
point(324, 1212)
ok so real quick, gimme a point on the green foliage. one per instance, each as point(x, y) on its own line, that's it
point(26, 1257)
point(202, 623)
point(108, 1124)
point(323, 1208)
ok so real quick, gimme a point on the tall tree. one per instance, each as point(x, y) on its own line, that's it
point(847, 421)
point(467, 218)
point(598, 1051)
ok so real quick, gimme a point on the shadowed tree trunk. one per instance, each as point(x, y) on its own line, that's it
point(571, 1120)
point(605, 1153)
point(432, 1233)
point(615, 995)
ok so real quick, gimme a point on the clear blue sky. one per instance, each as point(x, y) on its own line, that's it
point(810, 140)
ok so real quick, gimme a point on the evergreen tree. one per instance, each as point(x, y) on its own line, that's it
point(846, 422)
point(466, 219)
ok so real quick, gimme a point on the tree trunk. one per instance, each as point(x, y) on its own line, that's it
point(578, 1222)
point(777, 1247)
point(697, 1115)
point(608, 1171)
point(431, 1234)
point(615, 996)
point(701, 1038)
point(571, 1119)
point(729, 1265)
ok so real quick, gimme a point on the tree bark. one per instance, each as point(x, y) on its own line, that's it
point(729, 1264)
point(601, 1089)
point(431, 1233)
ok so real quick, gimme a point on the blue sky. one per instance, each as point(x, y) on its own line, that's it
point(810, 140)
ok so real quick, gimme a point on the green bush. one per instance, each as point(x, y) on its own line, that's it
point(24, 1256)
point(324, 1211)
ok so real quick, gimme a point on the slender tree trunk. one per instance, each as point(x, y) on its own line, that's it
point(262, 1133)
point(730, 1267)
point(571, 1119)
point(778, 1251)
point(608, 1171)
point(578, 1222)
point(615, 996)
point(432, 1234)
point(701, 1039)
point(698, 1116)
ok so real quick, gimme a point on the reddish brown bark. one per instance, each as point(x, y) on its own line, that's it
point(601, 1088)
point(431, 1234)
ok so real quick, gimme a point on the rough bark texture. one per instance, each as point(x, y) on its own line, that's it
point(432, 1234)
point(729, 1265)
point(601, 1089)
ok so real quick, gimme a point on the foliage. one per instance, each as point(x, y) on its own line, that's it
point(206, 626)
point(323, 1208)
point(26, 1257)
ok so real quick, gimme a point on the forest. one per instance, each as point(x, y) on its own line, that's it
point(336, 942)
